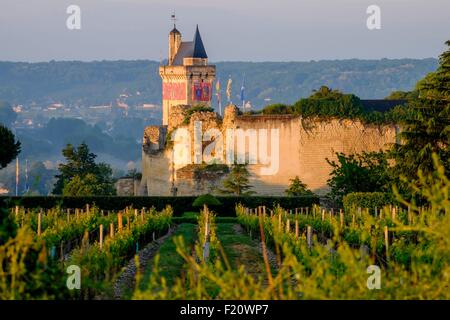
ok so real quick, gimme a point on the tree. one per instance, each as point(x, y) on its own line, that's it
point(277, 108)
point(81, 168)
point(10, 148)
point(297, 188)
point(426, 129)
point(366, 172)
point(89, 185)
point(237, 182)
point(402, 95)
point(7, 114)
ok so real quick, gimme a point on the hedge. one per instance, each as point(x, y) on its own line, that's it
point(179, 204)
point(370, 200)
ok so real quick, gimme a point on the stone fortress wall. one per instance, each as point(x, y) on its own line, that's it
point(304, 146)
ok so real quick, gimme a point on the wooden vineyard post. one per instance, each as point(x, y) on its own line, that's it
point(309, 236)
point(341, 216)
point(279, 222)
point(39, 223)
point(142, 215)
point(23, 218)
point(296, 211)
point(17, 211)
point(87, 208)
point(119, 221)
point(288, 226)
point(101, 237)
point(296, 229)
point(85, 240)
point(135, 214)
point(264, 211)
point(61, 252)
point(206, 225)
point(111, 230)
point(77, 213)
point(386, 241)
point(393, 214)
point(323, 214)
point(410, 218)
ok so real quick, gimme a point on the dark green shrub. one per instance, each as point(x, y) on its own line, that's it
point(370, 200)
point(179, 204)
point(207, 199)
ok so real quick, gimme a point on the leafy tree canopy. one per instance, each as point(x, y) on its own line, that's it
point(10, 148)
point(402, 95)
point(89, 185)
point(80, 164)
point(366, 172)
point(426, 128)
point(277, 108)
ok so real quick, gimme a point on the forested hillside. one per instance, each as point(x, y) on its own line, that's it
point(100, 82)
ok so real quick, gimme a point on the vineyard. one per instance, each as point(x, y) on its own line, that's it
point(399, 251)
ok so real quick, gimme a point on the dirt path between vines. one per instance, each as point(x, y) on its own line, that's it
point(240, 249)
point(125, 283)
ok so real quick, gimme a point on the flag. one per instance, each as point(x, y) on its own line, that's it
point(219, 102)
point(17, 176)
point(27, 187)
point(218, 86)
point(229, 90)
point(243, 94)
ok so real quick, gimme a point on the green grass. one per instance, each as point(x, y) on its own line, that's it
point(171, 263)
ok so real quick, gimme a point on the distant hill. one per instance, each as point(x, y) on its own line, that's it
point(101, 82)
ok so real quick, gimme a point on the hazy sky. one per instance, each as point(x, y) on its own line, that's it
point(242, 30)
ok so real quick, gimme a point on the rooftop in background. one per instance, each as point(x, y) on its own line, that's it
point(381, 105)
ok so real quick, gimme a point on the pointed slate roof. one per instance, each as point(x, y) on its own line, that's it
point(190, 49)
point(199, 49)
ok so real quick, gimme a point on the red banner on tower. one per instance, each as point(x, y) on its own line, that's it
point(174, 91)
point(201, 91)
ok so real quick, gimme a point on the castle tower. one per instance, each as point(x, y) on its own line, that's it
point(187, 78)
